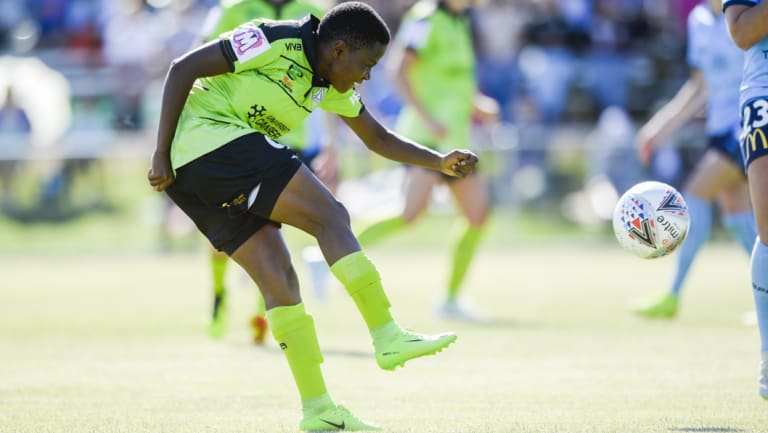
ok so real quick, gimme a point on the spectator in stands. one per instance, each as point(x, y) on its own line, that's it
point(133, 47)
point(499, 35)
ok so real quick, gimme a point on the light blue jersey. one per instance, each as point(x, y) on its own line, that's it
point(721, 62)
point(754, 83)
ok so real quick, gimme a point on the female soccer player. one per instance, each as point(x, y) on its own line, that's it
point(716, 65)
point(436, 77)
point(224, 105)
point(748, 25)
point(222, 18)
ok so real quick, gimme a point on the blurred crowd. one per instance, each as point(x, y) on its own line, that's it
point(545, 61)
point(533, 55)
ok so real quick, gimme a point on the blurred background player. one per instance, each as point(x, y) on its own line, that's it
point(227, 16)
point(748, 26)
point(14, 138)
point(716, 68)
point(435, 73)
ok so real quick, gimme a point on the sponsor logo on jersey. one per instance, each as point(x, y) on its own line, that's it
point(237, 201)
point(260, 119)
point(752, 140)
point(754, 118)
point(248, 42)
point(293, 46)
point(291, 74)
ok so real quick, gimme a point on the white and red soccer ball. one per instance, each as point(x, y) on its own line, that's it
point(651, 219)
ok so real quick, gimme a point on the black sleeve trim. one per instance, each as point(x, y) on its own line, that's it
point(740, 2)
point(229, 54)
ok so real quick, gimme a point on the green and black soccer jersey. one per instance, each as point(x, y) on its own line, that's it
point(443, 78)
point(272, 88)
point(233, 13)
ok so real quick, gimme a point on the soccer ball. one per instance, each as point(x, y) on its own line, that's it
point(651, 219)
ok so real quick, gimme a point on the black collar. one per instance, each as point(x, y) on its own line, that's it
point(308, 32)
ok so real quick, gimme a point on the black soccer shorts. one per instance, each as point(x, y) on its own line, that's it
point(230, 192)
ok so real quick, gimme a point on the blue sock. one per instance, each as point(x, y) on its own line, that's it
point(741, 225)
point(759, 267)
point(698, 234)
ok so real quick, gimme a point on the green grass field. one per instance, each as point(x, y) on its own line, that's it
point(113, 339)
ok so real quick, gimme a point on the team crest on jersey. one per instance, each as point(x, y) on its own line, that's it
point(354, 98)
point(248, 42)
point(317, 96)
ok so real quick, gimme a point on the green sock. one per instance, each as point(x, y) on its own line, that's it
point(315, 405)
point(383, 334)
point(363, 283)
point(380, 230)
point(462, 257)
point(294, 330)
point(218, 271)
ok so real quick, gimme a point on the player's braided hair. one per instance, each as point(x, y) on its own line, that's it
point(355, 23)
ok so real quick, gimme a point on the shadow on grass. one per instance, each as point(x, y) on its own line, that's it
point(706, 429)
point(342, 353)
point(347, 353)
point(54, 213)
point(502, 323)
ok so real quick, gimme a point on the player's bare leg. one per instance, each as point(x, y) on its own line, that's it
point(471, 198)
point(306, 204)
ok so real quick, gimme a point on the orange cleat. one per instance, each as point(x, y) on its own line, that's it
point(259, 326)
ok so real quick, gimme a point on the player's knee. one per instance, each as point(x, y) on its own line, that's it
point(762, 232)
point(410, 216)
point(479, 217)
point(330, 217)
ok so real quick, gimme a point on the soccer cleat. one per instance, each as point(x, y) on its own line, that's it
point(764, 375)
point(406, 345)
point(663, 308)
point(259, 327)
point(335, 419)
point(218, 325)
point(454, 310)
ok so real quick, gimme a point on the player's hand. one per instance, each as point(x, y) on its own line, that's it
point(160, 174)
point(326, 166)
point(458, 163)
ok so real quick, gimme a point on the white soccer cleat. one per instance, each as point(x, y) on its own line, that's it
point(455, 310)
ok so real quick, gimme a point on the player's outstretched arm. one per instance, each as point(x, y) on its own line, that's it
point(205, 61)
point(687, 102)
point(748, 25)
point(390, 145)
